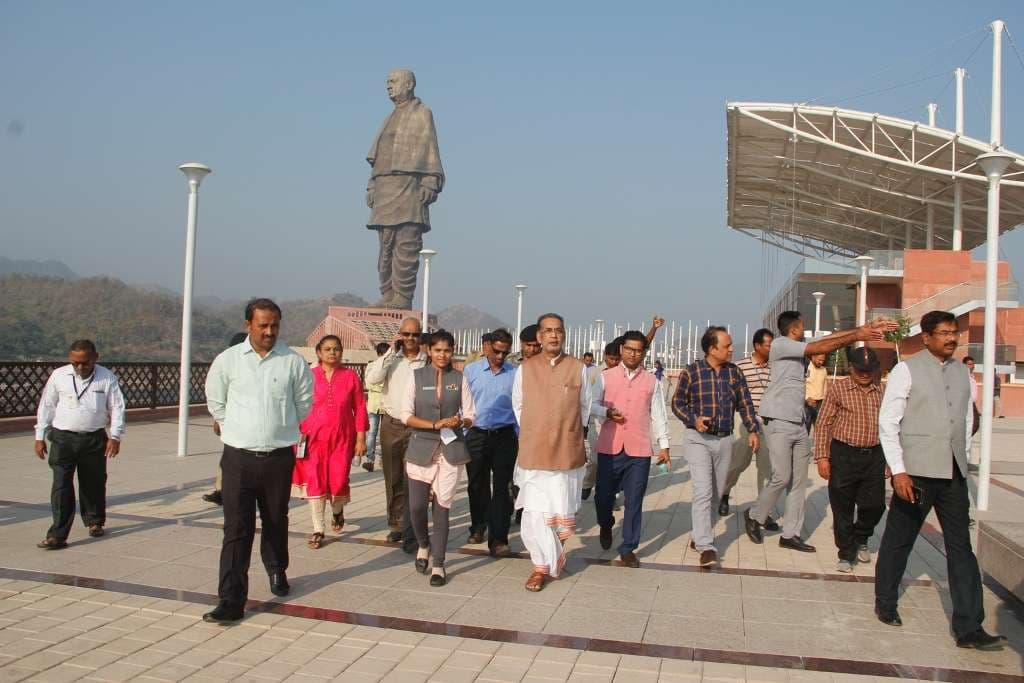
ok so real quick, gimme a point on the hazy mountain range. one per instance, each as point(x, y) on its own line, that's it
point(45, 305)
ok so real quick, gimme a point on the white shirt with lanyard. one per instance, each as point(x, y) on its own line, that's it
point(73, 404)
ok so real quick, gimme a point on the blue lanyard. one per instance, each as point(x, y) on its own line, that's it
point(85, 386)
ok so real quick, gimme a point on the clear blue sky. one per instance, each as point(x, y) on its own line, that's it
point(584, 145)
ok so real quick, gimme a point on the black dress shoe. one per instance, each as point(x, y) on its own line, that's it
point(279, 584)
point(224, 613)
point(796, 543)
point(215, 497)
point(770, 524)
point(980, 640)
point(752, 527)
point(890, 617)
point(586, 493)
point(410, 545)
point(368, 465)
point(723, 506)
point(438, 580)
point(606, 537)
point(421, 565)
point(394, 537)
point(629, 560)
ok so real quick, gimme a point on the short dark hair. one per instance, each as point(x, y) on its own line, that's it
point(440, 336)
point(550, 315)
point(710, 337)
point(381, 348)
point(528, 333)
point(786, 320)
point(613, 348)
point(931, 320)
point(502, 336)
point(969, 359)
point(486, 338)
point(588, 353)
point(761, 334)
point(262, 305)
point(237, 338)
point(328, 337)
point(634, 335)
point(83, 345)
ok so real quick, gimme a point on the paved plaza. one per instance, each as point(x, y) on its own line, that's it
point(128, 606)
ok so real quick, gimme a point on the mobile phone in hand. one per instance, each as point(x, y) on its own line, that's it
point(398, 345)
point(918, 495)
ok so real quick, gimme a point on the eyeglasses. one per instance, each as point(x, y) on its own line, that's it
point(630, 349)
point(945, 333)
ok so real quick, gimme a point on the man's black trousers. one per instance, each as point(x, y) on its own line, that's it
point(949, 498)
point(492, 453)
point(856, 493)
point(250, 482)
point(84, 452)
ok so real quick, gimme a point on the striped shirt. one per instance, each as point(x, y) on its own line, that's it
point(704, 392)
point(849, 414)
point(757, 375)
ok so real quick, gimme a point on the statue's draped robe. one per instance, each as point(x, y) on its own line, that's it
point(404, 157)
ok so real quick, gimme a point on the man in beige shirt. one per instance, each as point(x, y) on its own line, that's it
point(394, 371)
point(817, 376)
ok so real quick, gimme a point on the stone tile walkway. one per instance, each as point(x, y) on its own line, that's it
point(765, 605)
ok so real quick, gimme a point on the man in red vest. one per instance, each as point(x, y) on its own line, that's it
point(633, 405)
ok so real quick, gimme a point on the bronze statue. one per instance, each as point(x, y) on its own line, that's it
point(406, 179)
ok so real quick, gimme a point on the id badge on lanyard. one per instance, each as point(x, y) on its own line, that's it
point(76, 395)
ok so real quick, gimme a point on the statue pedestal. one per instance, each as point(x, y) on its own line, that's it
point(360, 329)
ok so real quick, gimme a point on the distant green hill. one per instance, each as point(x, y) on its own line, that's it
point(40, 316)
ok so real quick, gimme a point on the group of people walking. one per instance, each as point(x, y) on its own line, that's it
point(518, 428)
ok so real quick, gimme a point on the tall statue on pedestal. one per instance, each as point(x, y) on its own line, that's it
point(405, 180)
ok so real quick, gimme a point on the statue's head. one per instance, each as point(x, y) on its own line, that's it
point(401, 84)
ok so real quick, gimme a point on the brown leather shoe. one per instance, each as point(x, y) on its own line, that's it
point(535, 583)
point(501, 550)
point(708, 558)
point(52, 544)
point(96, 530)
point(476, 538)
point(629, 560)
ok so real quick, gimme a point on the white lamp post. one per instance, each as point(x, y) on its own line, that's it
point(818, 296)
point(195, 173)
point(864, 261)
point(519, 313)
point(599, 334)
point(427, 254)
point(993, 165)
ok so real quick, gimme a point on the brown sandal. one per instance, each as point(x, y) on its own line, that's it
point(339, 522)
point(52, 544)
point(315, 541)
point(535, 583)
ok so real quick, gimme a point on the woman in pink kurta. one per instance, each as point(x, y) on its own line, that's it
point(332, 435)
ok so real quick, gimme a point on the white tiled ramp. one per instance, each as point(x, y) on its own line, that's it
point(63, 633)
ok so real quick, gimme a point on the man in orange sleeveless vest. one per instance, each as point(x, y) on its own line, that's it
point(551, 400)
point(631, 400)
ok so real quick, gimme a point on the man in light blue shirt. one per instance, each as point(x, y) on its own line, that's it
point(258, 392)
point(492, 444)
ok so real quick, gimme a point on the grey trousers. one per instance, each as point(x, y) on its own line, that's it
point(789, 447)
point(399, 259)
point(708, 459)
point(741, 457)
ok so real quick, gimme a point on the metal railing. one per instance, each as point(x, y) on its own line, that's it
point(949, 299)
point(144, 385)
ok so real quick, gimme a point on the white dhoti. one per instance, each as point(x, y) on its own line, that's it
point(550, 500)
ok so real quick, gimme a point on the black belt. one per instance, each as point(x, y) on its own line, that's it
point(496, 430)
point(68, 431)
point(264, 454)
point(863, 450)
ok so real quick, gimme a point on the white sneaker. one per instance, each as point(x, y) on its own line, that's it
point(863, 554)
point(844, 566)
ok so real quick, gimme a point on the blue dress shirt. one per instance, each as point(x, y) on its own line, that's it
point(492, 394)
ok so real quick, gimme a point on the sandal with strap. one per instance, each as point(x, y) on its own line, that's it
point(52, 544)
point(315, 541)
point(535, 583)
point(339, 522)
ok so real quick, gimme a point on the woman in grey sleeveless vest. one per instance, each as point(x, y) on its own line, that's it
point(438, 406)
